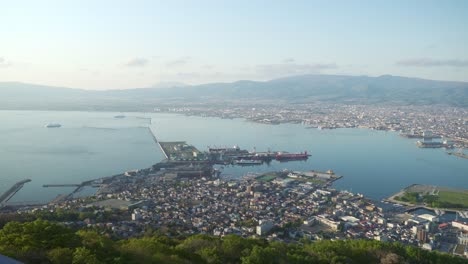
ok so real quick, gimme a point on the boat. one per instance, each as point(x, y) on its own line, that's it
point(291, 156)
point(119, 116)
point(248, 162)
point(53, 125)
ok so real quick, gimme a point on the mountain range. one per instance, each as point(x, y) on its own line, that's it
point(384, 89)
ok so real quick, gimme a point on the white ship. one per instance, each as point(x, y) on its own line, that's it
point(53, 125)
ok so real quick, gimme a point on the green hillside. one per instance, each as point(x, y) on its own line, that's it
point(46, 242)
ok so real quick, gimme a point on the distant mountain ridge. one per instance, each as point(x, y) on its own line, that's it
point(296, 89)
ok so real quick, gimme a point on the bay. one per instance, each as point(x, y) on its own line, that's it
point(91, 145)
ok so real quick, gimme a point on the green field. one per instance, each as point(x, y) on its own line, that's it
point(444, 198)
point(454, 197)
point(266, 177)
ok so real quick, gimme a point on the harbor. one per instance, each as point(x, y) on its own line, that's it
point(182, 161)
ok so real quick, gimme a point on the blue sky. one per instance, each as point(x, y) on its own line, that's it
point(128, 44)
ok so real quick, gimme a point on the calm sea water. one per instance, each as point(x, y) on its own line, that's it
point(95, 144)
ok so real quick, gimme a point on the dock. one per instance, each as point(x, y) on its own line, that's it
point(6, 196)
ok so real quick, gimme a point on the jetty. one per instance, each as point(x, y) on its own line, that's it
point(61, 185)
point(166, 155)
point(153, 135)
point(6, 196)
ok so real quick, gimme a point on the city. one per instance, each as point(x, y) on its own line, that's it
point(448, 122)
point(234, 132)
point(185, 195)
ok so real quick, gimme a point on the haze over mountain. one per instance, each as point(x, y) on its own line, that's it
point(296, 89)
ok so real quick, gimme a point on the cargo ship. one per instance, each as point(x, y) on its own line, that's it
point(292, 156)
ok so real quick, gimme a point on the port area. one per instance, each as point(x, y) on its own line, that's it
point(431, 197)
point(184, 161)
point(180, 151)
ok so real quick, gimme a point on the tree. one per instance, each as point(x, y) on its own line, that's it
point(84, 256)
point(265, 255)
point(99, 245)
point(31, 240)
point(232, 247)
point(60, 255)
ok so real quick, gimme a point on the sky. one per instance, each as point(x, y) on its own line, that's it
point(116, 44)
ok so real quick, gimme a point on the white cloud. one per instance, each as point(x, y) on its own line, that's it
point(137, 62)
point(4, 63)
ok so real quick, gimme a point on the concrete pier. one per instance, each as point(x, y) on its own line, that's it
point(153, 134)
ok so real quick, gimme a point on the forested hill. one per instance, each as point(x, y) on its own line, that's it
point(384, 89)
point(45, 242)
point(336, 88)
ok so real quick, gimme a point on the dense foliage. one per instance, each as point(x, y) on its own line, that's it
point(41, 241)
